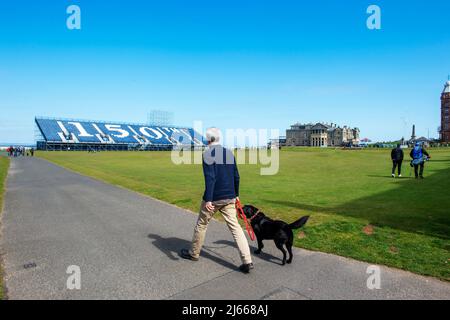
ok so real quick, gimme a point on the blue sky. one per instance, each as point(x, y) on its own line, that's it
point(232, 64)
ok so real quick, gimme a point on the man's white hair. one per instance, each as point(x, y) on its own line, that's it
point(213, 135)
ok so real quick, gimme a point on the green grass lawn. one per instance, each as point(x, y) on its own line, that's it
point(4, 164)
point(357, 210)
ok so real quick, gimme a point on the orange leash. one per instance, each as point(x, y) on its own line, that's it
point(241, 215)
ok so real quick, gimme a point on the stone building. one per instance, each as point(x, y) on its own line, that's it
point(411, 142)
point(445, 114)
point(321, 135)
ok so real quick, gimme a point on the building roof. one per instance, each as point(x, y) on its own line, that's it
point(421, 139)
point(321, 126)
point(447, 87)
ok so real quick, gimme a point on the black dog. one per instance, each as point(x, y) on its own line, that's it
point(278, 231)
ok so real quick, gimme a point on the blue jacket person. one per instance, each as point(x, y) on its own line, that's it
point(221, 191)
point(419, 155)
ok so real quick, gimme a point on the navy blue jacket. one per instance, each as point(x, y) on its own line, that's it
point(221, 174)
point(397, 154)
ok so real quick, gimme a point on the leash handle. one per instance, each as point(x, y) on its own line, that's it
point(241, 215)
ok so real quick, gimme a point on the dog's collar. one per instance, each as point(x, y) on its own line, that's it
point(254, 216)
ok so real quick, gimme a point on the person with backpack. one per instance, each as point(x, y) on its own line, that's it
point(419, 155)
point(397, 160)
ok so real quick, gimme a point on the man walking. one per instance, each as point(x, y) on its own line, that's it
point(397, 160)
point(221, 191)
point(417, 154)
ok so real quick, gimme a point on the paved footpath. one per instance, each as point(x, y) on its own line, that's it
point(127, 245)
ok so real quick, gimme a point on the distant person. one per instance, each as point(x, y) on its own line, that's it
point(32, 152)
point(419, 155)
point(221, 192)
point(397, 160)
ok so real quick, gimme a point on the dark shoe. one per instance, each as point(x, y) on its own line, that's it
point(245, 268)
point(186, 255)
point(421, 177)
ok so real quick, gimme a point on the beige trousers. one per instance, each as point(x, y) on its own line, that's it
point(228, 210)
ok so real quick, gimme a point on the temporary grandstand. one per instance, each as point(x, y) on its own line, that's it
point(57, 134)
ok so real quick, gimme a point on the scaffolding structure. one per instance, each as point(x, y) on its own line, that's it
point(160, 118)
